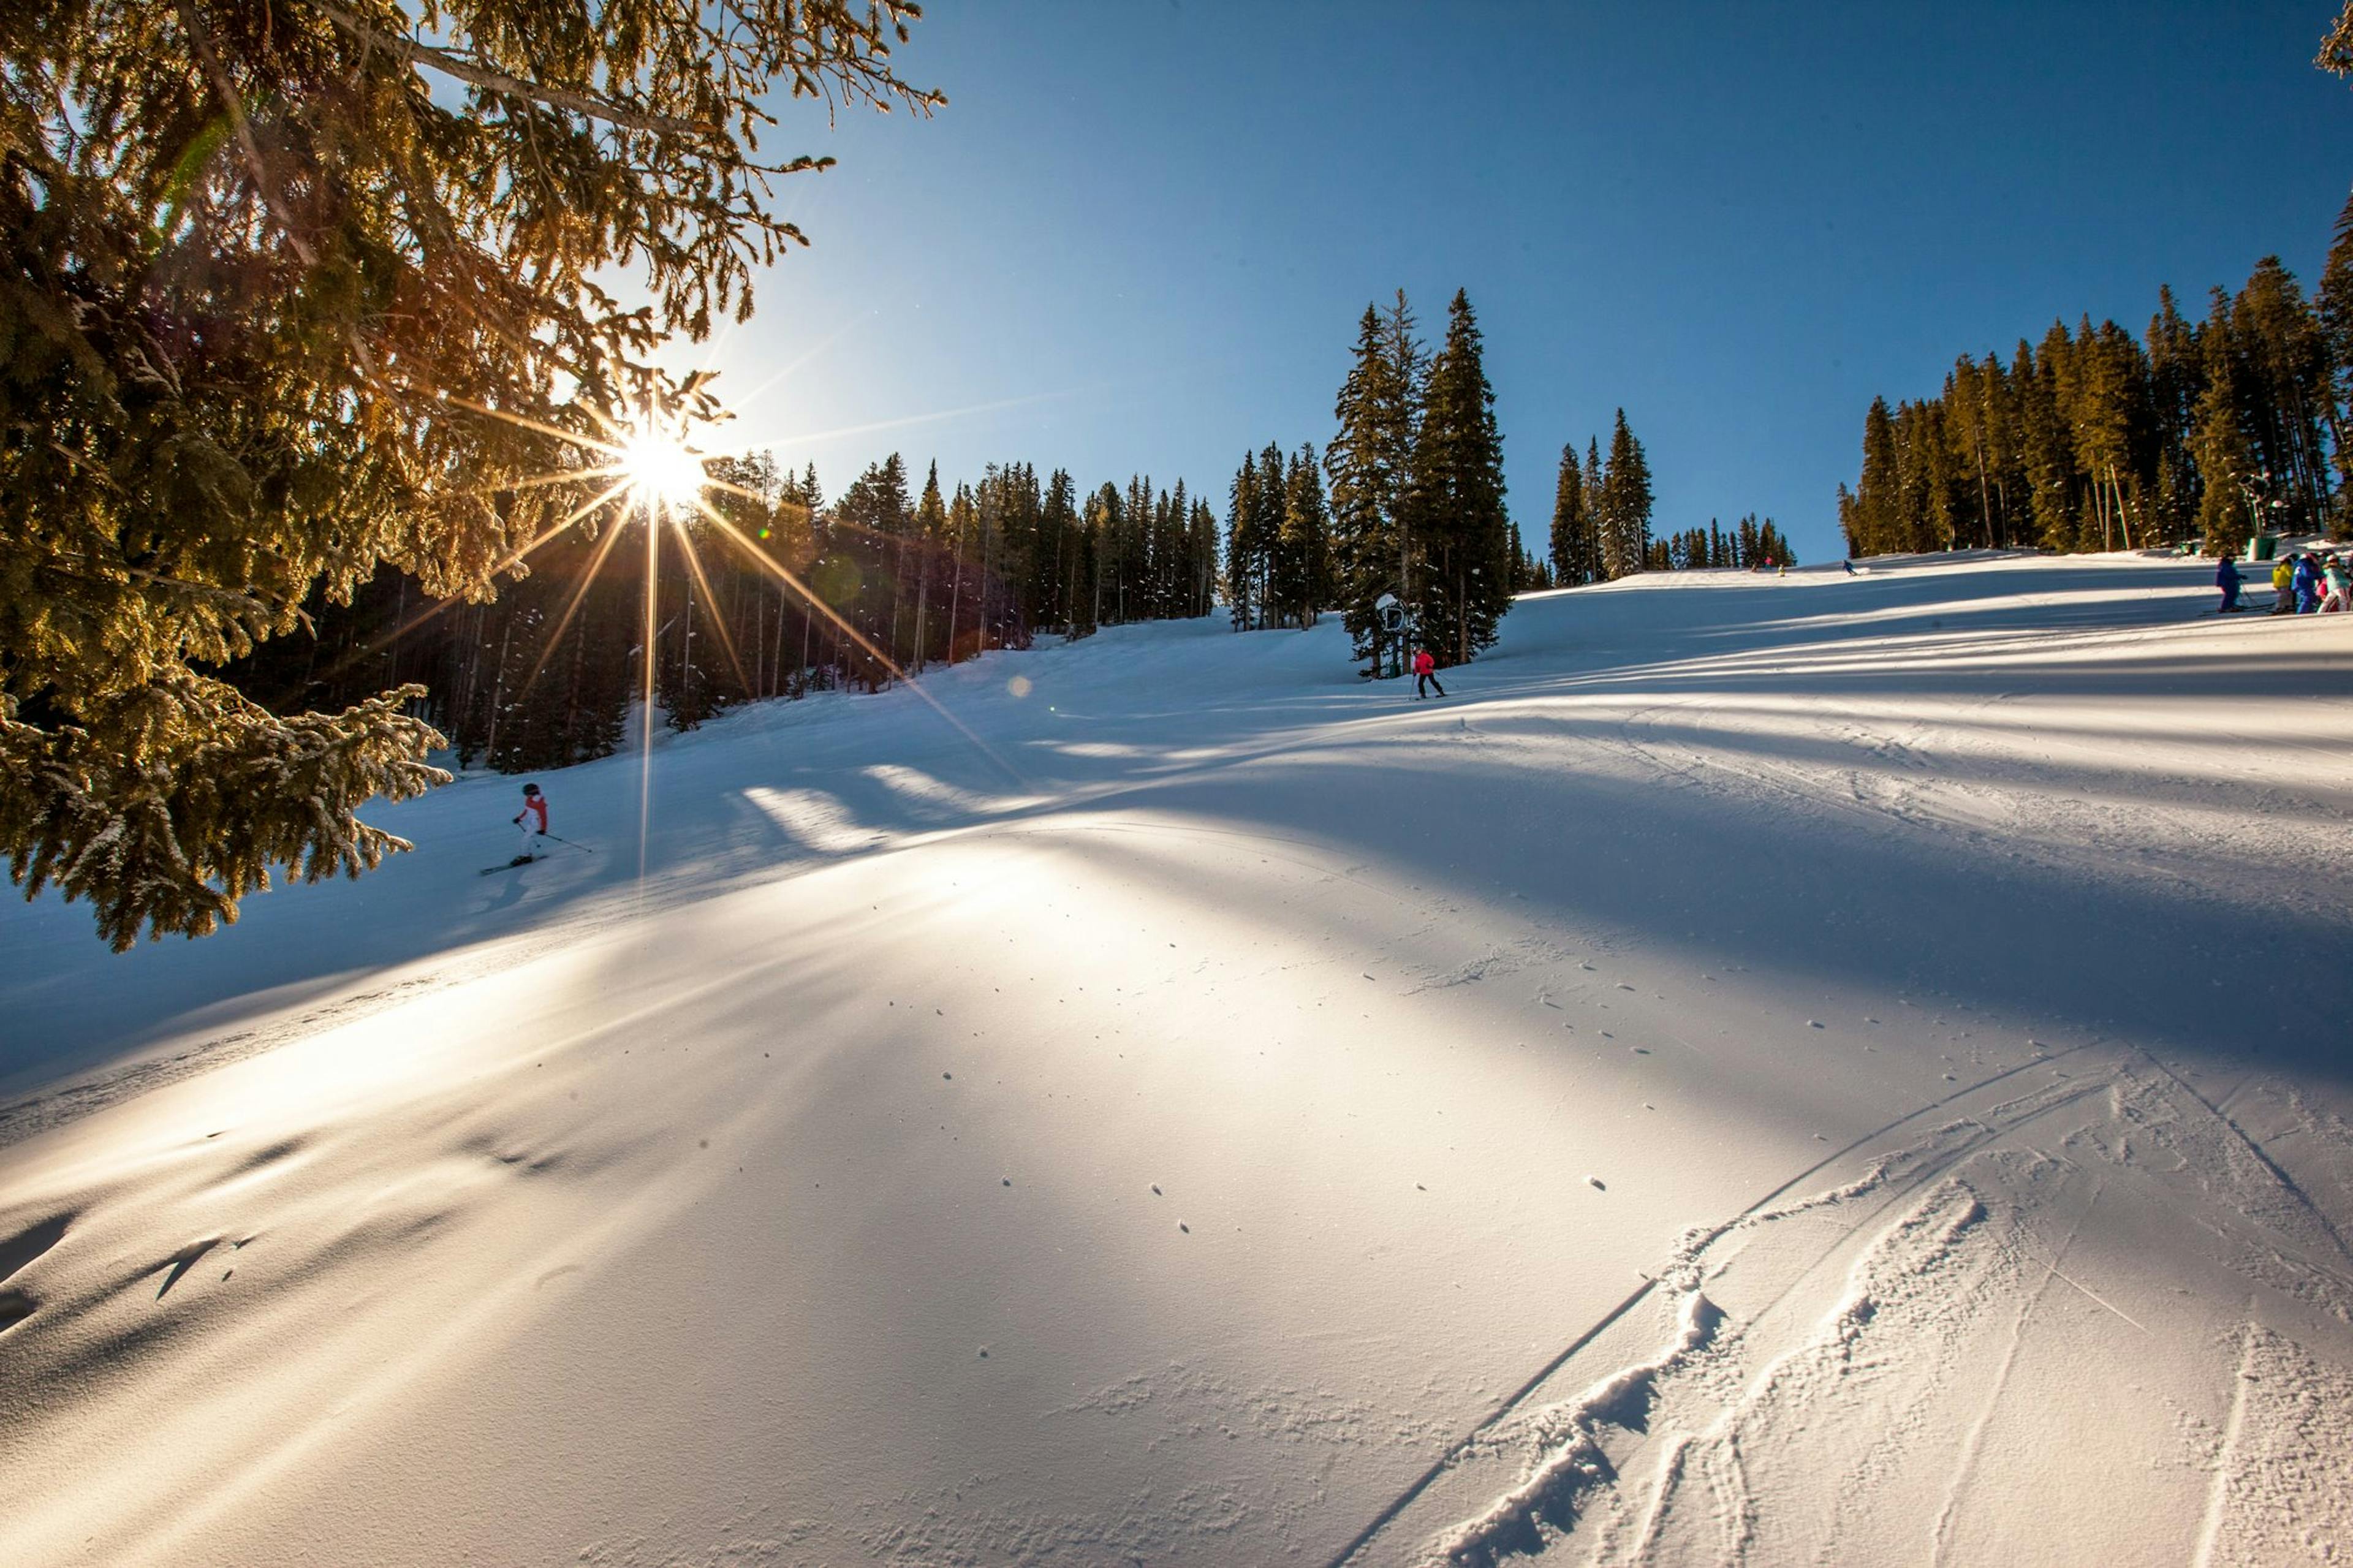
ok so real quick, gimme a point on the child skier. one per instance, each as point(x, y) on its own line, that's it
point(2226, 578)
point(2284, 585)
point(2306, 583)
point(533, 822)
point(1425, 672)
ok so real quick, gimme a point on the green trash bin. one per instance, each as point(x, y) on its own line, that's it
point(2263, 547)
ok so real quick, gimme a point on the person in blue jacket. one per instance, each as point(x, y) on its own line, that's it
point(2307, 583)
point(2226, 578)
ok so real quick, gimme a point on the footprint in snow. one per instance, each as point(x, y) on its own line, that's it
point(1596, 1183)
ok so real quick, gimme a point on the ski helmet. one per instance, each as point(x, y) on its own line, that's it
point(531, 789)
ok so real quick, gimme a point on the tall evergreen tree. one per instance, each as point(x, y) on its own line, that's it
point(1304, 552)
point(1575, 551)
point(1367, 463)
point(2333, 305)
point(930, 531)
point(2177, 376)
point(2225, 456)
point(1246, 547)
point(1625, 510)
point(2284, 355)
point(1456, 497)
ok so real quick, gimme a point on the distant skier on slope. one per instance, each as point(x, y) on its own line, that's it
point(2284, 585)
point(2226, 578)
point(533, 822)
point(1425, 673)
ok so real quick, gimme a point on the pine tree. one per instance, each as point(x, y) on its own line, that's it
point(2177, 375)
point(1878, 528)
point(2046, 453)
point(1246, 551)
point(2332, 305)
point(1367, 463)
point(1624, 519)
point(2225, 456)
point(1455, 498)
point(1201, 560)
point(1103, 525)
point(1575, 551)
point(1302, 570)
point(1060, 540)
point(931, 526)
point(2284, 355)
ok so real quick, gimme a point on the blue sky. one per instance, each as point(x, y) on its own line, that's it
point(1139, 236)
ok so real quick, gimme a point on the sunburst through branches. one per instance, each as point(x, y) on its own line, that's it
point(649, 466)
point(665, 474)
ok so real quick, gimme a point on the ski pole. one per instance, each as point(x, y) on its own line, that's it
point(584, 848)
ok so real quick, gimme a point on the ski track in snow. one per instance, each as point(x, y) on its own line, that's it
point(1963, 1253)
point(1772, 1069)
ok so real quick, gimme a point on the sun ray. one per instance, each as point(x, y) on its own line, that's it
point(606, 422)
point(718, 621)
point(563, 622)
point(805, 439)
point(762, 390)
point(735, 490)
point(431, 611)
point(515, 557)
point(574, 436)
point(778, 570)
point(646, 701)
point(553, 477)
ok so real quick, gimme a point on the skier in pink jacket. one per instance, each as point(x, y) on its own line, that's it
point(533, 822)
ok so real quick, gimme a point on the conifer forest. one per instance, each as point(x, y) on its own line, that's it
point(2094, 438)
point(899, 577)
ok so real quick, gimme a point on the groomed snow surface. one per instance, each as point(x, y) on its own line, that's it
point(1770, 1070)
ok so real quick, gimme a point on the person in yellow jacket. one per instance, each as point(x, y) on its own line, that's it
point(2284, 585)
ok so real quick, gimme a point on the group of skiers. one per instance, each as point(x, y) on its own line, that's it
point(2303, 583)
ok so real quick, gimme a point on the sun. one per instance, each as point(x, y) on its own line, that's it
point(662, 472)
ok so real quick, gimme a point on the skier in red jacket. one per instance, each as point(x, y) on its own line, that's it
point(1425, 672)
point(532, 821)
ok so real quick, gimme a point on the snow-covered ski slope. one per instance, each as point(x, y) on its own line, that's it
point(1798, 1069)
